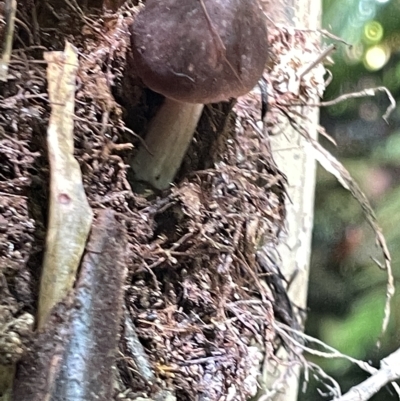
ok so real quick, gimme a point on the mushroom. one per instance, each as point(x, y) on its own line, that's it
point(193, 52)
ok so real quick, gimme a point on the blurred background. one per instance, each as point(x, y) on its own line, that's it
point(347, 289)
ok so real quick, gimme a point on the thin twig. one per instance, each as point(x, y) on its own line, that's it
point(388, 372)
point(364, 93)
point(330, 49)
point(10, 10)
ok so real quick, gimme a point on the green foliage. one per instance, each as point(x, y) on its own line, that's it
point(347, 289)
point(359, 330)
point(389, 151)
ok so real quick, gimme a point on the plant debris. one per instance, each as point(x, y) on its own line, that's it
point(70, 216)
point(196, 296)
point(81, 334)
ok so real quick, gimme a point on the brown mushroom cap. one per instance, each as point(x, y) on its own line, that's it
point(185, 56)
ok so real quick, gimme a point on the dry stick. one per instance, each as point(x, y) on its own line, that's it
point(330, 49)
point(87, 368)
point(295, 84)
point(372, 385)
point(353, 95)
point(363, 93)
point(72, 357)
point(326, 33)
point(388, 372)
point(137, 352)
point(70, 216)
point(334, 37)
point(10, 10)
point(331, 352)
point(143, 365)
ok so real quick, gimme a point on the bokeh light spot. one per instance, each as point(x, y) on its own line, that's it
point(376, 57)
point(366, 9)
point(368, 111)
point(373, 32)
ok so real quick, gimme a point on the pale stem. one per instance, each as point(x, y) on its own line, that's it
point(167, 140)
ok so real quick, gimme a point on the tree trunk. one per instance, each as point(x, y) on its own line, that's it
point(289, 150)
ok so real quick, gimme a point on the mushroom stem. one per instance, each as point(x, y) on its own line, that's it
point(168, 138)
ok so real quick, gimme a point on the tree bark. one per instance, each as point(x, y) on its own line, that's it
point(290, 154)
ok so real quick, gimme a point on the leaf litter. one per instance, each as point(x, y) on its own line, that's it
point(196, 298)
